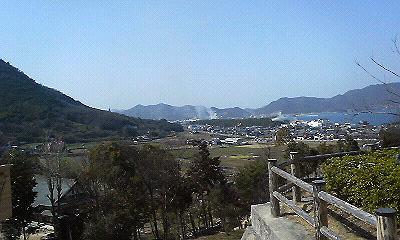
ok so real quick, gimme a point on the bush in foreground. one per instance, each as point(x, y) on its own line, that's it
point(369, 181)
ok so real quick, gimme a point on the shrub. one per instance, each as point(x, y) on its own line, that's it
point(369, 181)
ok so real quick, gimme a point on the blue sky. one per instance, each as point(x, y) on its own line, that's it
point(212, 53)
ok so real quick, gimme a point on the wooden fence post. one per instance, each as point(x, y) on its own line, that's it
point(295, 171)
point(273, 186)
point(386, 223)
point(320, 209)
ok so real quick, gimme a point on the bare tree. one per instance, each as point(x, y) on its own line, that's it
point(54, 154)
point(395, 94)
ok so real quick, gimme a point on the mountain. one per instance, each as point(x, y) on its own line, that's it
point(31, 112)
point(227, 113)
point(371, 97)
point(293, 105)
point(172, 113)
point(168, 112)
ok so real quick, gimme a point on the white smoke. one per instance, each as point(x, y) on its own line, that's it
point(205, 113)
point(211, 113)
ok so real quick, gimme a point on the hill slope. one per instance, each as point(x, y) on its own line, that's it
point(370, 97)
point(31, 112)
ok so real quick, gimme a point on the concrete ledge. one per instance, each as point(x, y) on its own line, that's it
point(264, 226)
point(250, 234)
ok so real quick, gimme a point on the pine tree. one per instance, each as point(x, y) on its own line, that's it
point(204, 173)
point(23, 196)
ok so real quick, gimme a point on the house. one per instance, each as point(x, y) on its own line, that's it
point(233, 141)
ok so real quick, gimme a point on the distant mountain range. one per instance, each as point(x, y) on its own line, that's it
point(172, 113)
point(372, 97)
point(31, 112)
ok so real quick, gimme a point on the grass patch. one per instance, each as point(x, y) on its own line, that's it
point(234, 150)
point(233, 158)
point(234, 163)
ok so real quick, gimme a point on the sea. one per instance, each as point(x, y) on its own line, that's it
point(335, 117)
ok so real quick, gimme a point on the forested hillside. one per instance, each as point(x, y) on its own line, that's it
point(31, 112)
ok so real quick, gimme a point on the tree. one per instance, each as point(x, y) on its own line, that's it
point(348, 145)
point(2, 138)
point(390, 137)
point(302, 148)
point(252, 185)
point(351, 144)
point(23, 196)
point(122, 205)
point(395, 94)
point(135, 186)
point(166, 188)
point(324, 148)
point(204, 173)
point(282, 136)
point(225, 202)
point(182, 202)
point(55, 153)
point(306, 168)
point(150, 168)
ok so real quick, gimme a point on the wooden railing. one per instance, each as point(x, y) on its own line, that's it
point(296, 160)
point(317, 157)
point(385, 221)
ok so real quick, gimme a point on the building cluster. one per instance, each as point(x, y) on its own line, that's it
point(299, 130)
point(236, 134)
point(320, 130)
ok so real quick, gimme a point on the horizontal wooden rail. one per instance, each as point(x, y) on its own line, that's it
point(295, 208)
point(385, 222)
point(284, 164)
point(291, 178)
point(330, 234)
point(331, 155)
point(347, 207)
point(322, 157)
point(285, 187)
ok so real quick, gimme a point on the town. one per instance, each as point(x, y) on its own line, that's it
point(299, 130)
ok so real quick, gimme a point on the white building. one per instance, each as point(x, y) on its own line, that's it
point(233, 141)
point(316, 123)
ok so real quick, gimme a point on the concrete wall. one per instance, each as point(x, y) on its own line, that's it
point(264, 226)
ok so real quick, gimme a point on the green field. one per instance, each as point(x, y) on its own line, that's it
point(233, 158)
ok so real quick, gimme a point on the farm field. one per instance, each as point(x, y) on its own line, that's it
point(233, 157)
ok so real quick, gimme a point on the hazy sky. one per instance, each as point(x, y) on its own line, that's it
point(212, 53)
